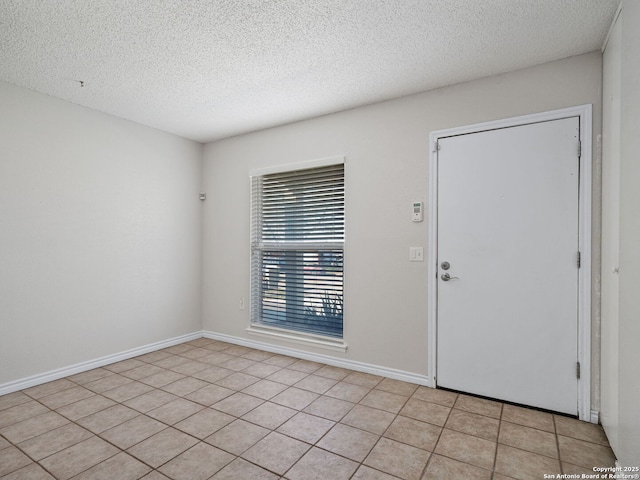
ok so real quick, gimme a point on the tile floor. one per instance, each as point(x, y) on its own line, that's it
point(212, 410)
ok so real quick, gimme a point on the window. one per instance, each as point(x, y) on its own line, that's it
point(297, 248)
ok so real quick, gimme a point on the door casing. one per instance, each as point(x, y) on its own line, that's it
point(584, 112)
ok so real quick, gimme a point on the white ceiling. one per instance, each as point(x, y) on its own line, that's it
point(209, 69)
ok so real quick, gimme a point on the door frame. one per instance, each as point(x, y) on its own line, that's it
point(584, 113)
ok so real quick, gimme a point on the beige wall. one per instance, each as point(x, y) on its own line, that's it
point(621, 328)
point(100, 234)
point(387, 153)
point(101, 225)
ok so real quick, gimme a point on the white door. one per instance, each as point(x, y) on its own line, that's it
point(507, 318)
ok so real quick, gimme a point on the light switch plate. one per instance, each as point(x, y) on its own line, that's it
point(416, 254)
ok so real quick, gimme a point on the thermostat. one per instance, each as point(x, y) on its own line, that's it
point(417, 211)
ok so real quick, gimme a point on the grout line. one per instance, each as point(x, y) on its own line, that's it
point(495, 456)
point(555, 432)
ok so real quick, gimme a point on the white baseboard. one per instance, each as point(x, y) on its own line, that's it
point(329, 360)
point(51, 375)
point(34, 380)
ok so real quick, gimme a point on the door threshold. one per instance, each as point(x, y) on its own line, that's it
point(506, 402)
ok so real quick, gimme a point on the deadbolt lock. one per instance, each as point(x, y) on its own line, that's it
point(445, 265)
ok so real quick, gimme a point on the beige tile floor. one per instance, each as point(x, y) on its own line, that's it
point(211, 410)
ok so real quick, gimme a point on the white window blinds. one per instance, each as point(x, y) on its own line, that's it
point(297, 243)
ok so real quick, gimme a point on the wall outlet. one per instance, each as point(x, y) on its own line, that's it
point(241, 303)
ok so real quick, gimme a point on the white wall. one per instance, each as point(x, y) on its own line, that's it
point(611, 83)
point(100, 234)
point(629, 346)
point(386, 149)
point(621, 328)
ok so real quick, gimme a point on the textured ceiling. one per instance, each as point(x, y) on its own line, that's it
point(209, 69)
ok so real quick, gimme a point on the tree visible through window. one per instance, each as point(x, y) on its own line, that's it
point(297, 243)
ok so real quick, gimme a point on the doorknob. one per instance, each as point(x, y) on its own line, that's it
point(446, 277)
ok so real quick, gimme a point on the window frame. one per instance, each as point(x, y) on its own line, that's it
point(283, 333)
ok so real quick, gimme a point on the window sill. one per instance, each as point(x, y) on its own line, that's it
point(327, 343)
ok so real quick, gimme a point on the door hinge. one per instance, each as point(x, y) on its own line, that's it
point(437, 146)
point(579, 262)
point(579, 149)
point(578, 370)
